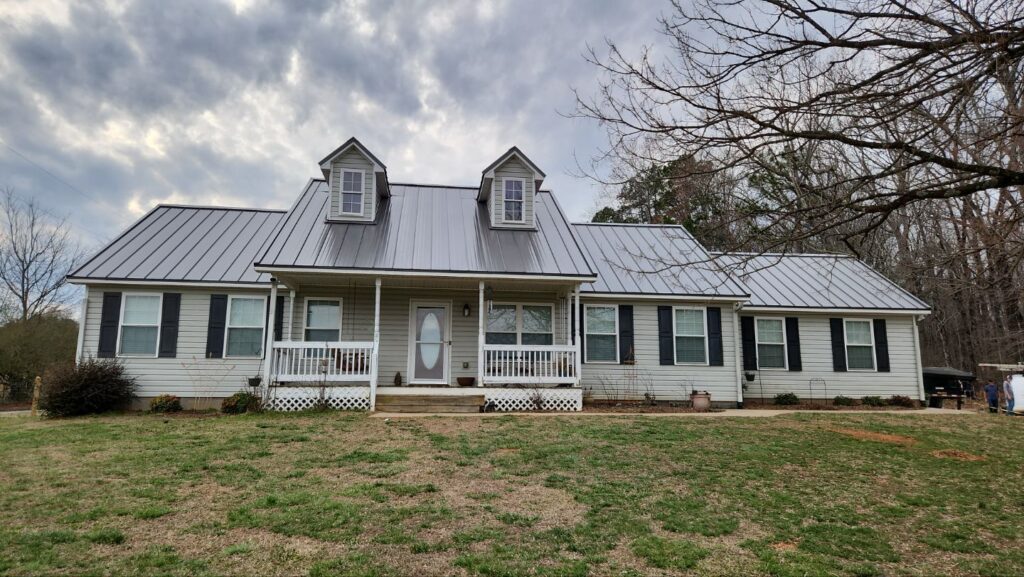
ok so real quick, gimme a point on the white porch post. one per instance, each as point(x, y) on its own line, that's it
point(291, 315)
point(480, 339)
point(81, 326)
point(578, 332)
point(376, 344)
point(738, 357)
point(268, 349)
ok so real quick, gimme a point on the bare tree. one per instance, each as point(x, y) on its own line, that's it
point(36, 254)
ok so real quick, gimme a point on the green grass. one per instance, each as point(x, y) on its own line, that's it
point(343, 494)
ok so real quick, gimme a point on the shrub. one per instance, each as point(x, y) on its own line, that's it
point(94, 386)
point(902, 401)
point(165, 404)
point(787, 399)
point(873, 401)
point(241, 402)
point(842, 401)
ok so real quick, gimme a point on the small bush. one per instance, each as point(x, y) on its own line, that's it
point(902, 401)
point(787, 399)
point(165, 404)
point(873, 401)
point(241, 402)
point(842, 401)
point(94, 386)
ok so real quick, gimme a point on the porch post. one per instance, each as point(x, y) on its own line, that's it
point(578, 331)
point(268, 349)
point(376, 344)
point(291, 315)
point(480, 339)
point(81, 326)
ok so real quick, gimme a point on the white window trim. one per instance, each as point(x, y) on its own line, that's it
point(675, 335)
point(342, 192)
point(505, 199)
point(846, 346)
point(586, 351)
point(228, 327)
point(305, 314)
point(519, 318)
point(159, 322)
point(785, 346)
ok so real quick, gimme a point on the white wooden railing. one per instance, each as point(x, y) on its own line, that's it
point(309, 361)
point(529, 364)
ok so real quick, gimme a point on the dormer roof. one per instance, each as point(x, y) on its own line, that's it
point(488, 173)
point(378, 166)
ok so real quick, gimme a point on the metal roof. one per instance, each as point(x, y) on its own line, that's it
point(425, 229)
point(652, 260)
point(824, 281)
point(187, 244)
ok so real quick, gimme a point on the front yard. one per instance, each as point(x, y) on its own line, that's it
point(343, 494)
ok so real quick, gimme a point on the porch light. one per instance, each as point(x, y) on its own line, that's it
point(465, 310)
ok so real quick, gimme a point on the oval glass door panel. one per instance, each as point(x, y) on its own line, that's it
point(430, 341)
point(429, 349)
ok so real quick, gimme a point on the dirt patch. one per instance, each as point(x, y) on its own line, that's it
point(641, 408)
point(873, 436)
point(825, 406)
point(785, 546)
point(957, 455)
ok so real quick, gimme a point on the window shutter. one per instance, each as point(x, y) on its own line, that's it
point(749, 343)
point(110, 316)
point(626, 352)
point(169, 315)
point(279, 319)
point(666, 340)
point(881, 346)
point(715, 357)
point(838, 345)
point(215, 326)
point(793, 344)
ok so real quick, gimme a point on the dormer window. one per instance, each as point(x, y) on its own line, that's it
point(514, 199)
point(352, 192)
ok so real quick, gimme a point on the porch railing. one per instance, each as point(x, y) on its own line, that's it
point(313, 361)
point(529, 364)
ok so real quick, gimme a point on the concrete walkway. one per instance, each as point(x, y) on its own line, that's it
point(753, 413)
point(15, 413)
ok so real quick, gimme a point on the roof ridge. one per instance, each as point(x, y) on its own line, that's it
point(213, 207)
point(634, 224)
point(799, 254)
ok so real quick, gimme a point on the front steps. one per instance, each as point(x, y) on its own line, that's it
point(429, 403)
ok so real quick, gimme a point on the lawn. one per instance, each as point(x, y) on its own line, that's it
point(343, 494)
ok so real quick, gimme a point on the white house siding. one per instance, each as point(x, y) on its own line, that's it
point(818, 380)
point(664, 382)
point(190, 375)
point(512, 168)
point(352, 160)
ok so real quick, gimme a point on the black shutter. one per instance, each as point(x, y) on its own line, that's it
point(169, 314)
point(749, 343)
point(626, 353)
point(838, 345)
point(793, 344)
point(279, 319)
point(110, 316)
point(666, 340)
point(215, 326)
point(715, 357)
point(881, 346)
point(583, 336)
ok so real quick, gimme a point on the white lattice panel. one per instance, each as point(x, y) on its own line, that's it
point(507, 400)
point(304, 398)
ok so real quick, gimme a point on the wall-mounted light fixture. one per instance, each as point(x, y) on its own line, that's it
point(465, 310)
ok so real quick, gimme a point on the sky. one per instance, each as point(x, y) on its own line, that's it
point(109, 108)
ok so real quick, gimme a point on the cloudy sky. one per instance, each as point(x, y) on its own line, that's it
point(107, 108)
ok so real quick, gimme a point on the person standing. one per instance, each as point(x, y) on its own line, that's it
point(992, 396)
point(1008, 395)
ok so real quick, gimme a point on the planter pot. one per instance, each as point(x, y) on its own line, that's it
point(466, 381)
point(700, 400)
point(750, 376)
point(255, 381)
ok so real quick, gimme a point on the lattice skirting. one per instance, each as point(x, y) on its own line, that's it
point(303, 398)
point(506, 400)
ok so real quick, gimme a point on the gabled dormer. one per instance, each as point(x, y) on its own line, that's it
point(509, 186)
point(357, 180)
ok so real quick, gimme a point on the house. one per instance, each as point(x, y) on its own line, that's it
point(368, 290)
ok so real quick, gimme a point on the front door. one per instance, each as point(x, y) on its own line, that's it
point(429, 342)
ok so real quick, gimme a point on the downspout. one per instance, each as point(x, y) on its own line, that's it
point(738, 360)
point(917, 358)
point(268, 349)
point(81, 327)
point(375, 359)
point(480, 337)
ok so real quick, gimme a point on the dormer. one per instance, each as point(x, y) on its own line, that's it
point(357, 181)
point(509, 186)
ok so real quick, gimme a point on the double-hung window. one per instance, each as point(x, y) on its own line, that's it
point(536, 325)
point(514, 191)
point(513, 324)
point(601, 330)
point(690, 336)
point(323, 320)
point(352, 192)
point(244, 334)
point(860, 345)
point(501, 325)
point(771, 343)
point(140, 325)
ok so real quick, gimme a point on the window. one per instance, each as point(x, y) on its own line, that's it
point(860, 345)
point(140, 325)
point(351, 192)
point(244, 333)
point(771, 343)
point(512, 324)
point(601, 330)
point(691, 344)
point(323, 320)
point(514, 199)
